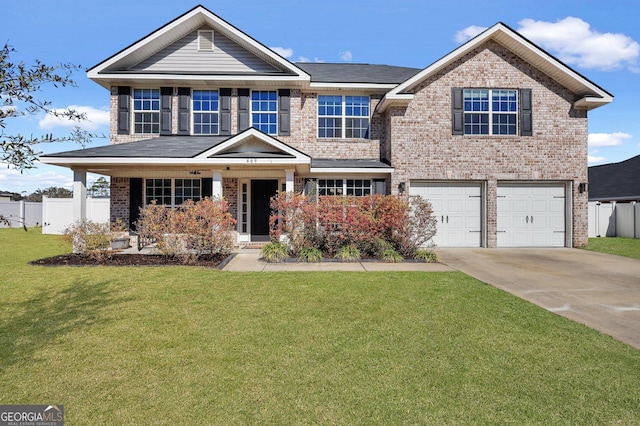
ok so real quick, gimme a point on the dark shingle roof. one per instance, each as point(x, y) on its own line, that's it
point(615, 181)
point(335, 163)
point(356, 73)
point(161, 147)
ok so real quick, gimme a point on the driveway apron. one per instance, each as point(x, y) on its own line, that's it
point(598, 290)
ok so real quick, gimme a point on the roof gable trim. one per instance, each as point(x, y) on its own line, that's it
point(509, 38)
point(188, 22)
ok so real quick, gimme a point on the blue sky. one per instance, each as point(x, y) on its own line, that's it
point(599, 39)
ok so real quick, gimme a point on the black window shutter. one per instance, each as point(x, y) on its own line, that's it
point(225, 111)
point(135, 200)
point(526, 115)
point(184, 110)
point(207, 187)
point(379, 186)
point(457, 112)
point(165, 110)
point(284, 101)
point(243, 110)
point(124, 106)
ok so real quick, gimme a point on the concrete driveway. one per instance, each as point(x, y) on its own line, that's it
point(599, 290)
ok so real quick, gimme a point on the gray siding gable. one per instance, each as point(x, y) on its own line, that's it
point(183, 56)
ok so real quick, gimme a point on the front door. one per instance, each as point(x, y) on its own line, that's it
point(261, 193)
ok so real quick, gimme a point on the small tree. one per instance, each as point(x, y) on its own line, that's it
point(51, 192)
point(18, 85)
point(100, 187)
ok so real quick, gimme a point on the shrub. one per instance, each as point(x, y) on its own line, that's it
point(426, 256)
point(332, 222)
point(275, 252)
point(190, 230)
point(89, 238)
point(348, 253)
point(391, 255)
point(310, 254)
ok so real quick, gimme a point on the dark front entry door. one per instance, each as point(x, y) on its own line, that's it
point(261, 193)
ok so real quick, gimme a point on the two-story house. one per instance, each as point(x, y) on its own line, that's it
point(494, 134)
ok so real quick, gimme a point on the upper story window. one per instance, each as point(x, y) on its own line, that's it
point(146, 110)
point(264, 111)
point(206, 104)
point(490, 112)
point(343, 117)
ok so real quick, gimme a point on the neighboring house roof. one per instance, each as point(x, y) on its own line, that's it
point(590, 94)
point(615, 181)
point(356, 73)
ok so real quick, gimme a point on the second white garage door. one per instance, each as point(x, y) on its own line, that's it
point(531, 215)
point(457, 206)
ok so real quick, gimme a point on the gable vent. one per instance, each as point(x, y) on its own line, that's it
point(205, 40)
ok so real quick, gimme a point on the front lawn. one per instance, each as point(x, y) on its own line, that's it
point(629, 247)
point(188, 345)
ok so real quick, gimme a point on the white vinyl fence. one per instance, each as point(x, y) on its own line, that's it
point(53, 214)
point(57, 213)
point(614, 219)
point(21, 213)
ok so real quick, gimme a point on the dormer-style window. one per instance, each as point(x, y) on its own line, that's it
point(206, 105)
point(146, 110)
point(205, 41)
point(343, 117)
point(264, 111)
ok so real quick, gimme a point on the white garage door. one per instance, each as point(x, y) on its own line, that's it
point(457, 206)
point(531, 215)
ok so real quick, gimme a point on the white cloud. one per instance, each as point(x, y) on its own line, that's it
point(608, 139)
point(576, 43)
point(30, 180)
point(592, 159)
point(346, 55)
point(468, 33)
point(285, 52)
point(305, 59)
point(95, 118)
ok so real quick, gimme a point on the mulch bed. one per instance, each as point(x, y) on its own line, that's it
point(209, 261)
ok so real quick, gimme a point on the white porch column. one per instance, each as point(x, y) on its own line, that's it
point(216, 187)
point(289, 186)
point(79, 195)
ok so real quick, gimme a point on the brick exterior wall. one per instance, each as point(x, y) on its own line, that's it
point(120, 199)
point(423, 147)
point(418, 142)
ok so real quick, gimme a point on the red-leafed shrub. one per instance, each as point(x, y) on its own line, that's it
point(330, 223)
point(190, 230)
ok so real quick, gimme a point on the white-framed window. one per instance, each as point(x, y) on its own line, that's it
point(205, 107)
point(172, 192)
point(264, 111)
point(146, 111)
point(343, 117)
point(490, 111)
point(340, 187)
point(205, 40)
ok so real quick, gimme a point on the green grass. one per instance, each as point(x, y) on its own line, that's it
point(629, 247)
point(185, 345)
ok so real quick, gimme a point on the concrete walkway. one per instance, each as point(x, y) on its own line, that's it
point(599, 290)
point(247, 260)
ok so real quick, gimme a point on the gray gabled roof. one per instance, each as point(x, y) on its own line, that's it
point(356, 73)
point(615, 181)
point(161, 147)
point(339, 163)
